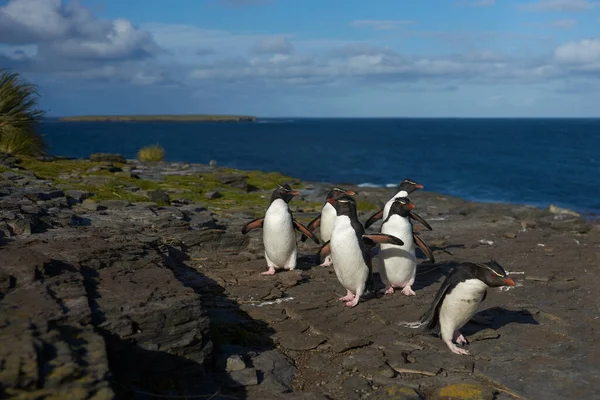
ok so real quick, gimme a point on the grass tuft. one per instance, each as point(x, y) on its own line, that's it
point(153, 153)
point(19, 116)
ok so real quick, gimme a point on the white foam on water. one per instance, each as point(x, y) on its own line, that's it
point(277, 301)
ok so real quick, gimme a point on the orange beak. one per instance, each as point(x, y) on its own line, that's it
point(350, 192)
point(410, 206)
point(509, 282)
point(295, 193)
point(419, 186)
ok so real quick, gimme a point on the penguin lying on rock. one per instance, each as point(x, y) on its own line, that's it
point(398, 264)
point(326, 217)
point(350, 250)
point(458, 298)
point(278, 226)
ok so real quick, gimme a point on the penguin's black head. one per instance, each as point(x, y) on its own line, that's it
point(493, 275)
point(401, 206)
point(344, 205)
point(337, 192)
point(409, 186)
point(284, 192)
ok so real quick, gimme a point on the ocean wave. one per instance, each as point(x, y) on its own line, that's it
point(375, 185)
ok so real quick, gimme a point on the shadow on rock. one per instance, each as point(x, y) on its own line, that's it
point(497, 317)
point(244, 355)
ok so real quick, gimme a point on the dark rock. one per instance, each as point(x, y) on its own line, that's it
point(114, 204)
point(106, 157)
point(159, 196)
point(91, 205)
point(278, 371)
point(368, 361)
point(301, 342)
point(20, 226)
point(342, 342)
point(213, 194)
point(484, 334)
point(35, 195)
point(78, 195)
point(416, 368)
point(395, 392)
point(245, 377)
point(235, 180)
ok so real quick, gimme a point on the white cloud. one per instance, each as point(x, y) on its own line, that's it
point(560, 5)
point(381, 25)
point(69, 30)
point(563, 24)
point(273, 45)
point(583, 55)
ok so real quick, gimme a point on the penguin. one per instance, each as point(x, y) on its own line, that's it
point(325, 219)
point(458, 298)
point(349, 248)
point(398, 264)
point(278, 231)
point(406, 187)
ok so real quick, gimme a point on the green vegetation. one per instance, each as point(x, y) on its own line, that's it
point(152, 153)
point(19, 116)
point(106, 185)
point(164, 117)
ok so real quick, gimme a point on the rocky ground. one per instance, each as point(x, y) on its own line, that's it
point(155, 293)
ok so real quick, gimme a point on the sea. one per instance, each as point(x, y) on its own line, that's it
point(522, 161)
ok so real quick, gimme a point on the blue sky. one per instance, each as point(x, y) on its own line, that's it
point(355, 58)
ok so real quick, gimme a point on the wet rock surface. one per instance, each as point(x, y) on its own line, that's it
point(119, 299)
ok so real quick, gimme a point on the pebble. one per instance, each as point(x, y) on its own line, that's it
point(213, 194)
point(510, 235)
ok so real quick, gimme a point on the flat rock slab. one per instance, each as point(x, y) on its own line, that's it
point(299, 342)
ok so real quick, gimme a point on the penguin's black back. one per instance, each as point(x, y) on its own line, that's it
point(459, 274)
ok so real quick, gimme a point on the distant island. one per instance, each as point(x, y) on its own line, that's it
point(146, 118)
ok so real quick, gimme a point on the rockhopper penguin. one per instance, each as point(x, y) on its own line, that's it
point(406, 187)
point(349, 248)
point(398, 264)
point(324, 221)
point(278, 225)
point(458, 298)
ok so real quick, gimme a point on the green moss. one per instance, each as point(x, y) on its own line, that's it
point(53, 169)
point(365, 206)
point(192, 187)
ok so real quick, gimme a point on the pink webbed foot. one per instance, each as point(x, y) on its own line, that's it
point(459, 338)
point(271, 271)
point(348, 297)
point(408, 291)
point(352, 303)
point(328, 262)
point(457, 350)
point(388, 290)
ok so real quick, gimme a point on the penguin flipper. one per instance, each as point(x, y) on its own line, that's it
point(305, 231)
point(254, 224)
point(314, 224)
point(423, 246)
point(417, 217)
point(431, 316)
point(373, 239)
point(373, 218)
point(323, 252)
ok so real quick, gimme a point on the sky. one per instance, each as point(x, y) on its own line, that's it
point(308, 58)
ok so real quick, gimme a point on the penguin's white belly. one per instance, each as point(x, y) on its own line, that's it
point(460, 305)
point(348, 262)
point(398, 264)
point(279, 237)
point(328, 215)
